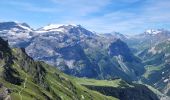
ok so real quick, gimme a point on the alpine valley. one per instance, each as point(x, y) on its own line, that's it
point(69, 62)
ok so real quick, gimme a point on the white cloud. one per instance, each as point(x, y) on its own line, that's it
point(26, 6)
point(125, 19)
point(151, 15)
point(81, 7)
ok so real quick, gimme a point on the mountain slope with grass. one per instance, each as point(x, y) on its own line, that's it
point(25, 79)
point(21, 78)
point(119, 88)
point(157, 59)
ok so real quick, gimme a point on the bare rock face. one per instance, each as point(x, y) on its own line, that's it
point(4, 93)
point(9, 73)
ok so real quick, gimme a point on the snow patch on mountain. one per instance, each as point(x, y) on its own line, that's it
point(14, 25)
point(152, 31)
point(152, 50)
point(52, 26)
point(122, 65)
point(166, 80)
point(55, 27)
point(25, 27)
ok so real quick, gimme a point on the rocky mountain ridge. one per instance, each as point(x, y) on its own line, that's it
point(76, 51)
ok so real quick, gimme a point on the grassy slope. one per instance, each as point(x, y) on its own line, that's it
point(150, 69)
point(118, 85)
point(113, 83)
point(60, 86)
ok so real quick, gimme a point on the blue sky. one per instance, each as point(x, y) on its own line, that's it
point(125, 16)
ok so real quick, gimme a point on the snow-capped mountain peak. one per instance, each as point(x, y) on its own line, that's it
point(14, 26)
point(152, 31)
point(56, 27)
point(53, 26)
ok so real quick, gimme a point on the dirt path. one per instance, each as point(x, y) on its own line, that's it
point(25, 81)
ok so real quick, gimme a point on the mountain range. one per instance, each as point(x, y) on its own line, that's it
point(22, 78)
point(152, 47)
point(74, 50)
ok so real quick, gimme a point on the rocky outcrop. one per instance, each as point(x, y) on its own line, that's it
point(9, 73)
point(4, 93)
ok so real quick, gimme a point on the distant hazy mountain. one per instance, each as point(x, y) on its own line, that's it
point(147, 39)
point(157, 61)
point(153, 47)
point(115, 35)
